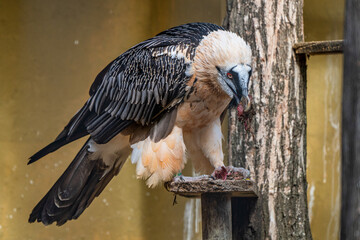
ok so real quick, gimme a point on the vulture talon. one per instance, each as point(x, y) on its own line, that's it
point(220, 173)
point(230, 173)
point(179, 178)
point(237, 173)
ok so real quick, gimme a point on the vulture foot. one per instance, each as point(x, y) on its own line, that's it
point(230, 173)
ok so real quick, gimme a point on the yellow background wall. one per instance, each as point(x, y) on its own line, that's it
point(50, 53)
point(324, 21)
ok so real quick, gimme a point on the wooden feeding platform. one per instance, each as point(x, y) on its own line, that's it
point(219, 219)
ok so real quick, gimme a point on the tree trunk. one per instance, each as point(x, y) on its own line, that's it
point(274, 148)
point(350, 209)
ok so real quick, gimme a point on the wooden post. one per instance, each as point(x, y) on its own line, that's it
point(216, 203)
point(216, 216)
point(350, 203)
point(274, 147)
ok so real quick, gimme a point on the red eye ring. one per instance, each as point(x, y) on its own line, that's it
point(229, 75)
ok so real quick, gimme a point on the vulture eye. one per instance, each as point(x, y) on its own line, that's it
point(229, 75)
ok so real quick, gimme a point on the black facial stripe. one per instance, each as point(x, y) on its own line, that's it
point(236, 79)
point(231, 69)
point(231, 85)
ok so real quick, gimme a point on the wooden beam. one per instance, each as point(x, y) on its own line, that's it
point(319, 47)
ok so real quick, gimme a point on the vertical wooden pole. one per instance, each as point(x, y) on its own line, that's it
point(216, 216)
point(350, 209)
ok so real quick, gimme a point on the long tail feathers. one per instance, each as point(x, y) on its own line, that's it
point(81, 182)
point(74, 130)
point(58, 143)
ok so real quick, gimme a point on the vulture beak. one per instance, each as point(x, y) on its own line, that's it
point(237, 81)
point(241, 77)
point(241, 97)
point(245, 102)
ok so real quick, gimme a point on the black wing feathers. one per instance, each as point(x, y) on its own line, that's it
point(138, 94)
point(99, 78)
point(139, 86)
point(74, 130)
point(144, 88)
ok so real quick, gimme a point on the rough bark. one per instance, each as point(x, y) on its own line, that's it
point(274, 149)
point(350, 209)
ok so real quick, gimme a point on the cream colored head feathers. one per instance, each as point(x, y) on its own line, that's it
point(222, 49)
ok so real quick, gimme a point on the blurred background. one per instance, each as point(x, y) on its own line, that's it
point(51, 52)
point(324, 20)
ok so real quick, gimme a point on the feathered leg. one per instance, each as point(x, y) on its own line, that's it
point(159, 161)
point(209, 141)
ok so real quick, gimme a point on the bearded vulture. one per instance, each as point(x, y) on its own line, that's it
point(160, 101)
